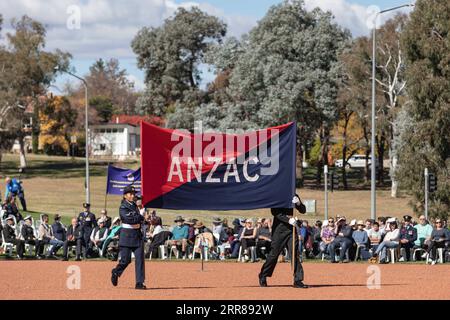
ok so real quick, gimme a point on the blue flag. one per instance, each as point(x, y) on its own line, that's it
point(119, 178)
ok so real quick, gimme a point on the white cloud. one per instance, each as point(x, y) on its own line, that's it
point(138, 83)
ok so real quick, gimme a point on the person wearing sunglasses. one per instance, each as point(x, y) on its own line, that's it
point(438, 238)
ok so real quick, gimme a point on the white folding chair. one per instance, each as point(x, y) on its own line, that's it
point(7, 246)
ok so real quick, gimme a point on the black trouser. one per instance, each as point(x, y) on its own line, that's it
point(125, 259)
point(407, 246)
point(260, 244)
point(86, 242)
point(247, 243)
point(342, 242)
point(34, 243)
point(68, 244)
point(282, 237)
point(432, 247)
point(20, 246)
point(21, 196)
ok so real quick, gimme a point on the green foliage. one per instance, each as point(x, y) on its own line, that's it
point(104, 108)
point(426, 41)
point(170, 56)
point(314, 153)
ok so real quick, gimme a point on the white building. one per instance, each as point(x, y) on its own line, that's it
point(117, 140)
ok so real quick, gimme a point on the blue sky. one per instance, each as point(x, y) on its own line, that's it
point(108, 26)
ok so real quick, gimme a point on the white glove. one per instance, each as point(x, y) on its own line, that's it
point(292, 221)
point(295, 200)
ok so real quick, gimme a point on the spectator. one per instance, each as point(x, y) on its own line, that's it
point(191, 234)
point(374, 236)
point(87, 221)
point(46, 236)
point(204, 237)
point(424, 230)
point(438, 238)
point(408, 234)
point(27, 233)
point(248, 238)
point(140, 205)
point(390, 240)
point(382, 225)
point(343, 240)
point(361, 239)
point(14, 188)
point(304, 232)
point(9, 233)
point(111, 244)
point(368, 225)
point(264, 237)
point(238, 226)
point(11, 209)
point(99, 235)
point(73, 238)
point(219, 231)
point(316, 231)
point(327, 236)
point(59, 230)
point(154, 229)
point(180, 233)
point(106, 218)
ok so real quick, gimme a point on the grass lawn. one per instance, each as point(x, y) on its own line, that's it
point(56, 185)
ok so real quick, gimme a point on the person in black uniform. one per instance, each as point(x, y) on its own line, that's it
point(130, 239)
point(27, 233)
point(9, 234)
point(87, 221)
point(408, 234)
point(282, 232)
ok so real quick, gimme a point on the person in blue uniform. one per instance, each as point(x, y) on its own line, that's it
point(87, 222)
point(282, 232)
point(131, 239)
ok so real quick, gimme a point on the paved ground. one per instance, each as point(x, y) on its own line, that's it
point(184, 280)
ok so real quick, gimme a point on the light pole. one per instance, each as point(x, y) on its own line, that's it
point(86, 125)
point(373, 163)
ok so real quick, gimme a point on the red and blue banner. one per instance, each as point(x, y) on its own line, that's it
point(119, 178)
point(218, 171)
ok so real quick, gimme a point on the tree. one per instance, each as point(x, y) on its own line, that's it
point(286, 69)
point(170, 56)
point(26, 70)
point(426, 42)
point(104, 107)
point(56, 120)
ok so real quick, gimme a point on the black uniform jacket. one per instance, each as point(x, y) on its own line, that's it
point(129, 214)
point(281, 216)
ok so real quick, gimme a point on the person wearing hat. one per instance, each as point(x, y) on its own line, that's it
point(110, 245)
point(106, 218)
point(73, 238)
point(9, 234)
point(59, 230)
point(342, 240)
point(46, 236)
point(218, 228)
point(131, 239)
point(408, 235)
point(180, 234)
point(282, 233)
point(88, 222)
point(361, 239)
point(390, 241)
point(99, 235)
point(11, 209)
point(27, 233)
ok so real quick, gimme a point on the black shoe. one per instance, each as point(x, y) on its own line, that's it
point(333, 261)
point(262, 281)
point(300, 284)
point(65, 259)
point(383, 262)
point(78, 259)
point(140, 286)
point(114, 278)
point(346, 261)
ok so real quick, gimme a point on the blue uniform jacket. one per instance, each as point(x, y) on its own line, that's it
point(129, 214)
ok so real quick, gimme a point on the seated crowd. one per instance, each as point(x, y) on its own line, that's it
point(247, 239)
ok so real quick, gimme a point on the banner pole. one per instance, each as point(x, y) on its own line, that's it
point(107, 184)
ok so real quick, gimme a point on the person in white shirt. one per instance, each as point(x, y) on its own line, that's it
point(391, 240)
point(99, 234)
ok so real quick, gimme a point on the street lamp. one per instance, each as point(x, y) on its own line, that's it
point(86, 125)
point(373, 163)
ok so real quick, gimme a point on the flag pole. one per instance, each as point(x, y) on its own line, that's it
point(107, 184)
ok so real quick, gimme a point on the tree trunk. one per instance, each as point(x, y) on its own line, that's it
point(381, 146)
point(300, 161)
point(23, 159)
point(367, 153)
point(393, 160)
point(393, 168)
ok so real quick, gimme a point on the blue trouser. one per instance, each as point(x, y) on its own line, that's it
point(381, 250)
point(341, 242)
point(125, 260)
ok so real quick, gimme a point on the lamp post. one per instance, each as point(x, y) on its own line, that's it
point(86, 125)
point(373, 163)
